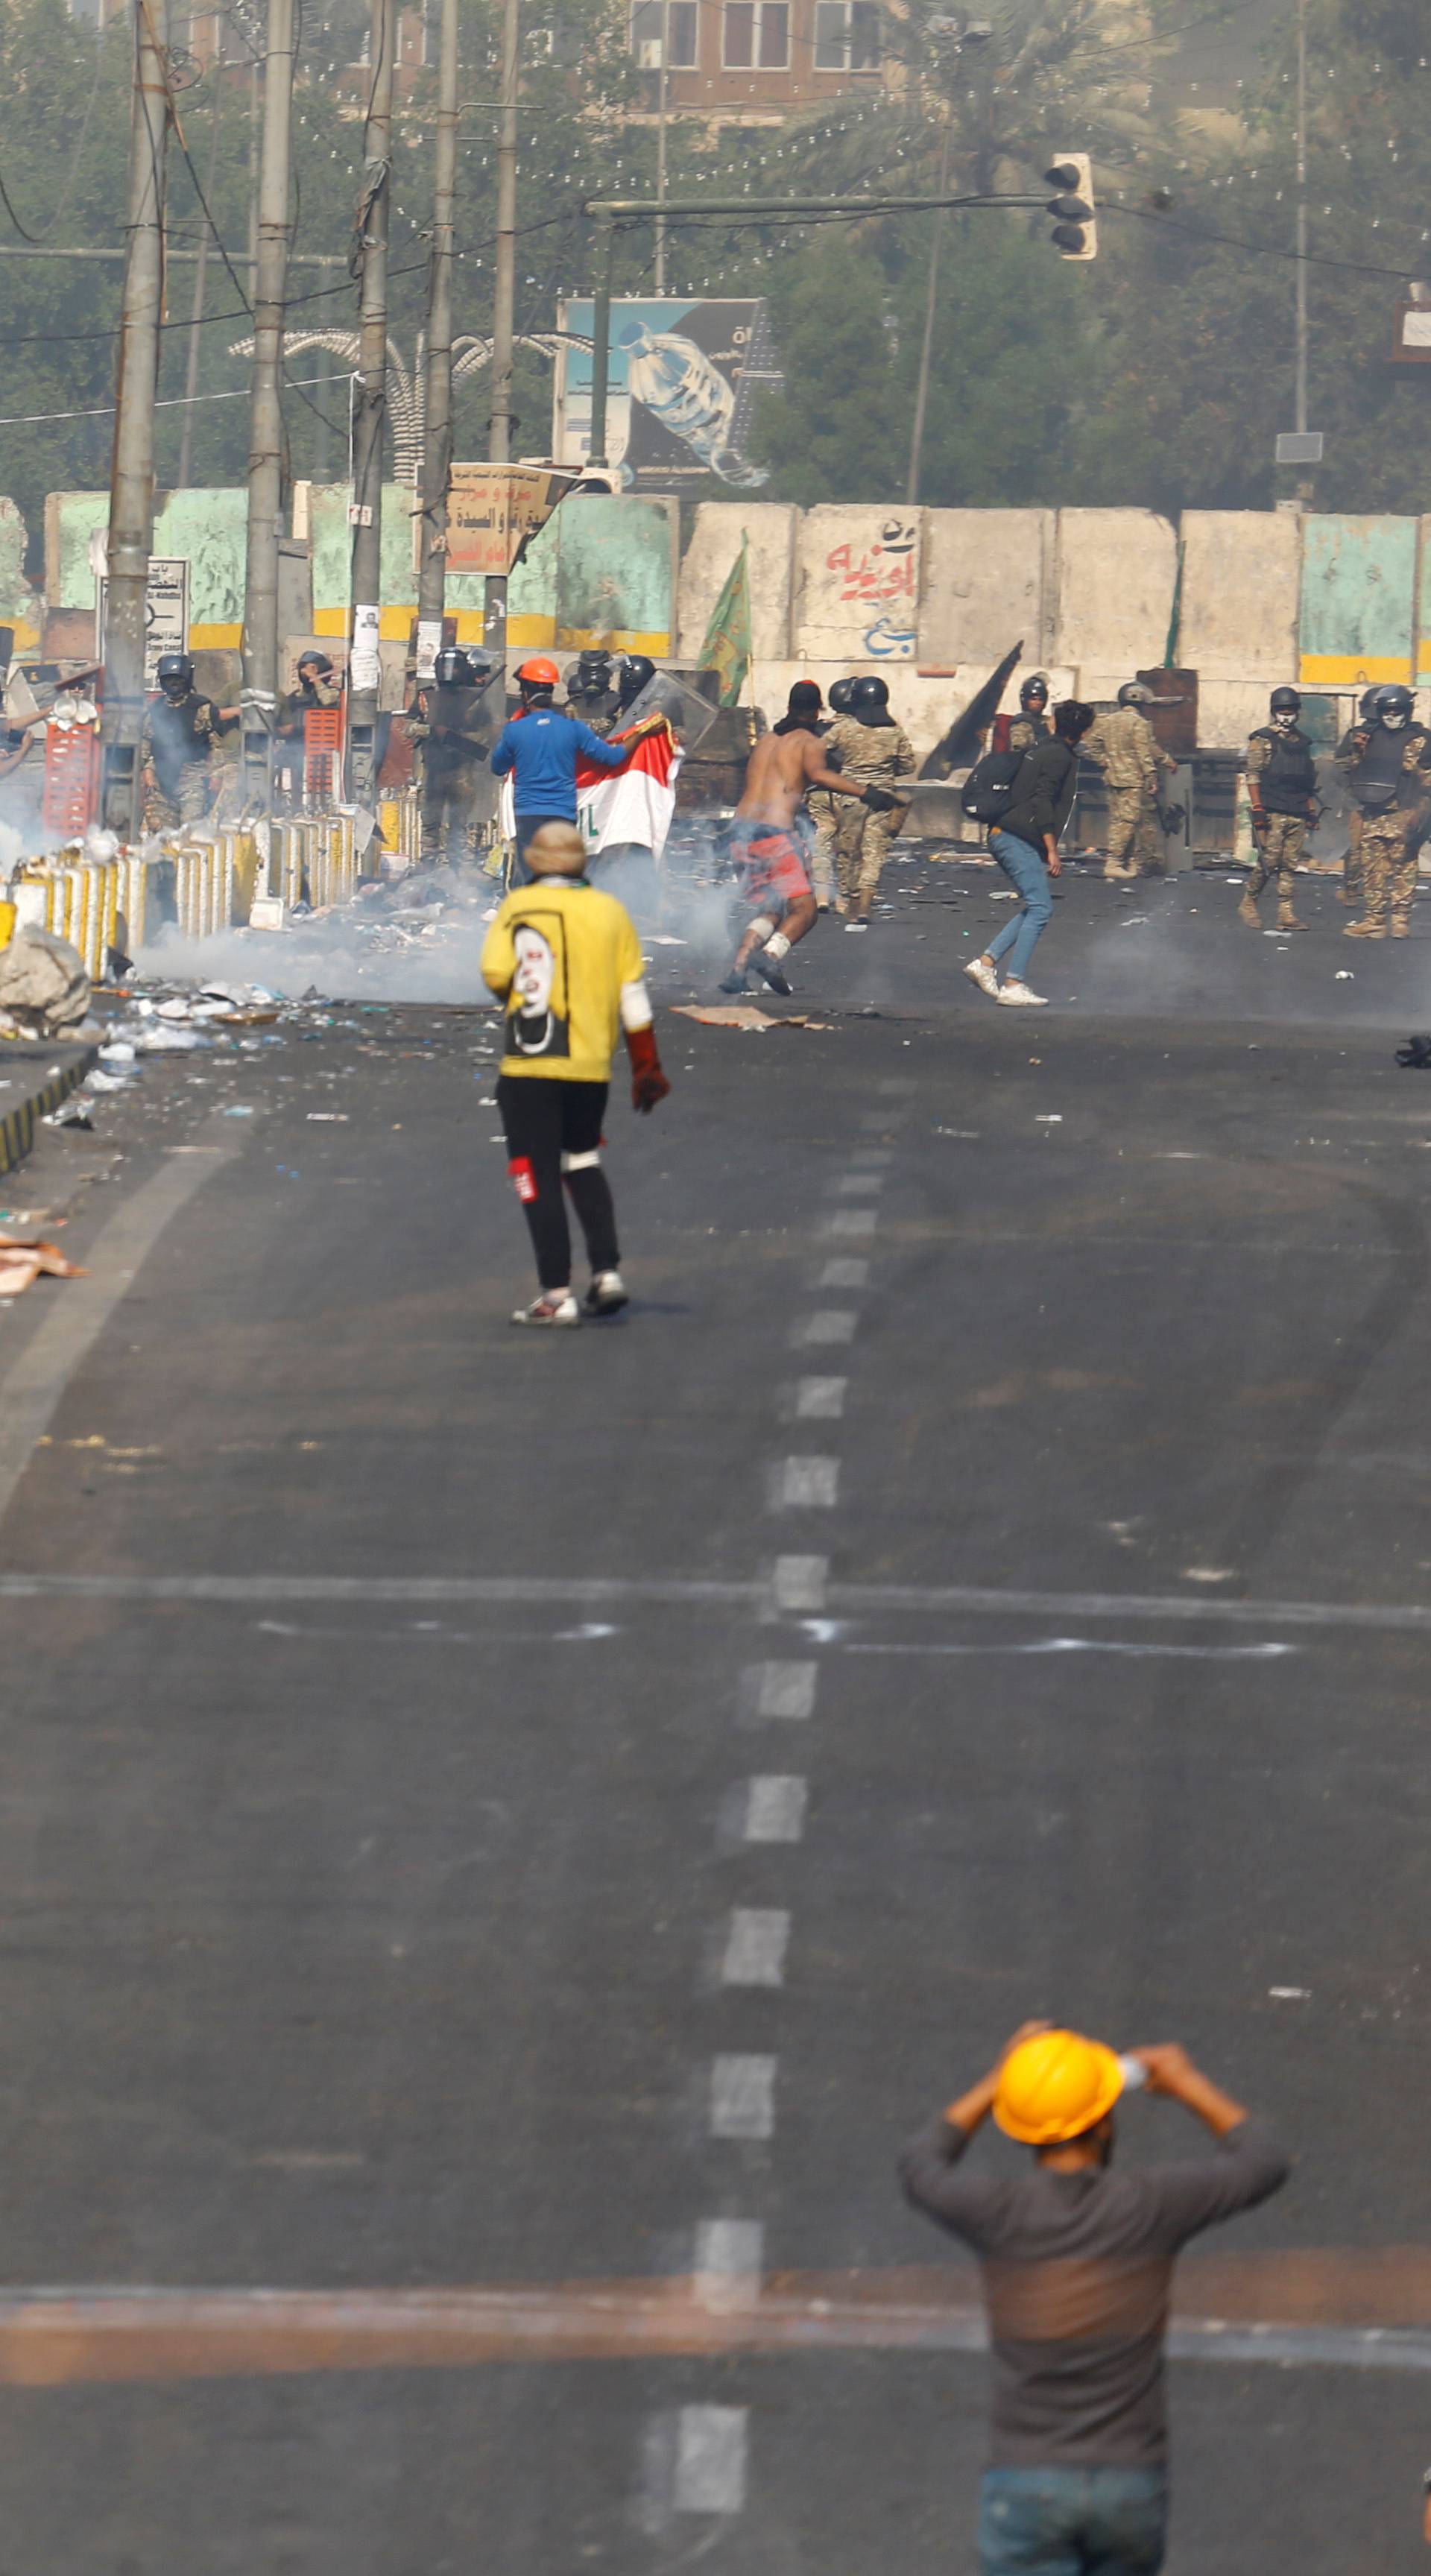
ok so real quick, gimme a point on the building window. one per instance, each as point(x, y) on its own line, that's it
point(847, 35)
point(757, 35)
point(682, 23)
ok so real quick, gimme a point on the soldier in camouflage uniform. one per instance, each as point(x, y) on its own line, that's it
point(820, 806)
point(867, 744)
point(1130, 756)
point(1387, 767)
point(1031, 725)
point(1351, 889)
point(1282, 791)
point(179, 730)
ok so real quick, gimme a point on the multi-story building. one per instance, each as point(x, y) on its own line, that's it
point(753, 62)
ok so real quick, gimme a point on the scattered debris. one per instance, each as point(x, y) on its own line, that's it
point(743, 1015)
point(1290, 1994)
point(44, 990)
point(24, 1260)
point(1416, 1053)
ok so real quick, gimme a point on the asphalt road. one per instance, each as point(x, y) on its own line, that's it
point(544, 1816)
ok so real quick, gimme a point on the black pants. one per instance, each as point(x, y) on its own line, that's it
point(449, 817)
point(548, 1124)
point(526, 825)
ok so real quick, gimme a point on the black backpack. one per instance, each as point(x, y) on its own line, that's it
point(988, 791)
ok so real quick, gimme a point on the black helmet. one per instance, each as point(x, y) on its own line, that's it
point(1394, 700)
point(869, 692)
point(1366, 704)
point(593, 664)
point(313, 660)
point(1035, 687)
point(1285, 702)
point(841, 694)
point(175, 668)
point(451, 669)
point(1135, 693)
point(636, 670)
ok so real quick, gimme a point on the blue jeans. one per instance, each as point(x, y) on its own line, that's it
point(1073, 2522)
point(1024, 868)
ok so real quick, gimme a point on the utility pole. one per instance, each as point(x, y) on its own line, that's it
point(921, 391)
point(437, 408)
point(661, 149)
point(131, 487)
point(191, 372)
point(370, 409)
point(1300, 421)
point(499, 442)
point(265, 435)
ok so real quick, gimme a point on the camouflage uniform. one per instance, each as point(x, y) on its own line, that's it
point(1026, 730)
point(1351, 885)
point(1392, 837)
point(1282, 838)
point(177, 742)
point(877, 755)
point(1123, 743)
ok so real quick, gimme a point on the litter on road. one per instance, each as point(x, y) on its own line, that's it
point(25, 1259)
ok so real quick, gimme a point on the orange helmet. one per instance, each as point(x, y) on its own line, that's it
point(540, 672)
point(1056, 2086)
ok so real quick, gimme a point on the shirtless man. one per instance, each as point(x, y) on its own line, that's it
point(781, 768)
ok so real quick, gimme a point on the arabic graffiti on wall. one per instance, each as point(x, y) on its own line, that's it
point(861, 593)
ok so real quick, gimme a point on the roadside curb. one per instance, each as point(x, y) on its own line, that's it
point(65, 1069)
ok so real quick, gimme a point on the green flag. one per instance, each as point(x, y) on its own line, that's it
point(728, 648)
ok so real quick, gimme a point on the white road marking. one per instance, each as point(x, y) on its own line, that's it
point(850, 1221)
point(877, 1157)
point(783, 1689)
point(800, 1582)
point(775, 1803)
point(847, 1270)
point(31, 1392)
point(730, 2258)
point(820, 1399)
point(711, 2449)
point(804, 1484)
point(855, 1185)
point(743, 2097)
point(755, 1947)
point(1141, 1650)
point(827, 1324)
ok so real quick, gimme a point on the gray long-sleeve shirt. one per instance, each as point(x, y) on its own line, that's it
point(1077, 2272)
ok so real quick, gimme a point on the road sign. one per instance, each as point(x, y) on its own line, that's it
point(166, 612)
point(1299, 447)
point(492, 511)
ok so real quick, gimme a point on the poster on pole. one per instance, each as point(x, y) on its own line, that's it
point(166, 612)
point(492, 511)
point(681, 388)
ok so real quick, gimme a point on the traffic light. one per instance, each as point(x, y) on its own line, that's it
point(1074, 233)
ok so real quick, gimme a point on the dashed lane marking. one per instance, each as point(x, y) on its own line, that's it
point(804, 1484)
point(854, 1185)
point(827, 1324)
point(730, 2258)
point(850, 1221)
point(847, 1270)
point(711, 2448)
point(782, 1689)
point(742, 2097)
point(800, 1582)
point(755, 1947)
point(820, 1399)
point(775, 1804)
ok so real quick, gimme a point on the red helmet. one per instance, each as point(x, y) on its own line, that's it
point(540, 672)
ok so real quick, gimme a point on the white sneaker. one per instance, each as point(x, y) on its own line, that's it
point(556, 1306)
point(606, 1295)
point(980, 972)
point(1022, 997)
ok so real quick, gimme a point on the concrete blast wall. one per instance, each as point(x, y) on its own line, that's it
point(769, 527)
point(987, 582)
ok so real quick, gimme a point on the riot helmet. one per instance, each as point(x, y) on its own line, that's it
point(1285, 706)
point(869, 699)
point(1034, 692)
point(175, 674)
point(451, 669)
point(1394, 706)
point(636, 670)
point(1135, 693)
point(1366, 705)
point(840, 697)
point(593, 670)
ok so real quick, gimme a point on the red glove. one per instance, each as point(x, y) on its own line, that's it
point(648, 1082)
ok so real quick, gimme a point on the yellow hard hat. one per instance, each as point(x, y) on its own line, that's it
point(1055, 2086)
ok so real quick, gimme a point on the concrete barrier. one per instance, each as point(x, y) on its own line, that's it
point(857, 586)
point(714, 546)
point(1116, 574)
point(987, 580)
point(1237, 618)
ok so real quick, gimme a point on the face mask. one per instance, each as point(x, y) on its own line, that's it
point(1393, 724)
point(1284, 722)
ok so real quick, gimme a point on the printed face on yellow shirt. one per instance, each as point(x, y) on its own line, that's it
point(537, 1021)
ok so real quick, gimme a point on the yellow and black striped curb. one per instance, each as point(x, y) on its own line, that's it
point(17, 1126)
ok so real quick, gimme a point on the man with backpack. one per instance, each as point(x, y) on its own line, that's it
point(1026, 812)
point(1387, 766)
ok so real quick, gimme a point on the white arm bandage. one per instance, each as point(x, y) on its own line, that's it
point(636, 1010)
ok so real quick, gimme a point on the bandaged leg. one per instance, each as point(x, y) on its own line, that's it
point(590, 1194)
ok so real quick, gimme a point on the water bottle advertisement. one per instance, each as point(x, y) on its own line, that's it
point(680, 393)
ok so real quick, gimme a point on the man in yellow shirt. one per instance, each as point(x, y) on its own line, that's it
point(565, 959)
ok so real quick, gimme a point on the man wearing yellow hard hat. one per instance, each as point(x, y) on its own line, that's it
point(1077, 2266)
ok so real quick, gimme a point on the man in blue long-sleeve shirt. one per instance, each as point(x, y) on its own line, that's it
point(541, 748)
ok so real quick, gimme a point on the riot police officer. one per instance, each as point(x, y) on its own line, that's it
point(1282, 791)
point(820, 804)
point(1387, 766)
point(874, 747)
point(451, 722)
point(590, 696)
point(179, 731)
point(636, 670)
point(1350, 890)
point(1031, 724)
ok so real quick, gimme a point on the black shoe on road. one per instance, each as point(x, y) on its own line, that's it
point(773, 972)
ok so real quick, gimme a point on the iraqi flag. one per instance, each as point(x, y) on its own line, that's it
point(631, 804)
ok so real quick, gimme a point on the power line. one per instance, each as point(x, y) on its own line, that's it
point(166, 402)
